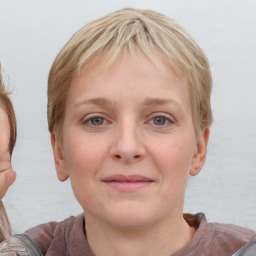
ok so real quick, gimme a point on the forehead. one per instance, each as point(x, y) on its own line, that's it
point(5, 132)
point(134, 76)
point(155, 68)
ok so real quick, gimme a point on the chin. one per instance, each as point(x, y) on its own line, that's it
point(131, 217)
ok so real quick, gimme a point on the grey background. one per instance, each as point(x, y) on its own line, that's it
point(31, 34)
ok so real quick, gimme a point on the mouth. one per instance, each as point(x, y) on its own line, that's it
point(127, 183)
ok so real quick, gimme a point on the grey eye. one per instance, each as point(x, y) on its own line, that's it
point(97, 121)
point(159, 120)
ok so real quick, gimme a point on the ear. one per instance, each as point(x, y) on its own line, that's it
point(60, 162)
point(200, 152)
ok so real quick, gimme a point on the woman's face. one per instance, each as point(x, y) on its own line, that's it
point(129, 142)
point(5, 132)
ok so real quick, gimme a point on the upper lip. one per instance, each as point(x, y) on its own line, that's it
point(127, 178)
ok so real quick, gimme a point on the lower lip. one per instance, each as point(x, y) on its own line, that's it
point(128, 186)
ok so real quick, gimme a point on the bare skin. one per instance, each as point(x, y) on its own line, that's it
point(128, 146)
point(7, 175)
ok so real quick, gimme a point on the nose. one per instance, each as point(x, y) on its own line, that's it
point(128, 144)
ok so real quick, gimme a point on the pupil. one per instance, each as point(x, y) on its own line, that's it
point(97, 121)
point(159, 120)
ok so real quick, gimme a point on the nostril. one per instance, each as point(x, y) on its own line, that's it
point(117, 156)
point(136, 156)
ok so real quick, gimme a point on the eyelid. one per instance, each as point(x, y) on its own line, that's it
point(162, 114)
point(169, 121)
point(88, 117)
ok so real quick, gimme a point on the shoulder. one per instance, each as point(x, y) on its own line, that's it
point(228, 238)
point(48, 234)
point(37, 240)
point(213, 239)
point(21, 245)
point(249, 249)
point(230, 232)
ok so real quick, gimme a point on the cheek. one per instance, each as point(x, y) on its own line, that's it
point(173, 159)
point(4, 141)
point(84, 159)
point(173, 162)
point(5, 132)
point(83, 155)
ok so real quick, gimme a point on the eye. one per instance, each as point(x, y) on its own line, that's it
point(97, 121)
point(94, 120)
point(160, 120)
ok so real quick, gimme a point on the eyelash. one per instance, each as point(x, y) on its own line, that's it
point(167, 120)
point(88, 120)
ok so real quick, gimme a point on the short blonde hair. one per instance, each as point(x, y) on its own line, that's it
point(6, 104)
point(131, 30)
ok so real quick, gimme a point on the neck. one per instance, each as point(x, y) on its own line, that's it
point(159, 239)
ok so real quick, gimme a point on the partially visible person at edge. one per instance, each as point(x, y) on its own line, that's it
point(7, 141)
point(129, 115)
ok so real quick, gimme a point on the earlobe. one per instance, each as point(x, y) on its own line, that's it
point(200, 152)
point(59, 160)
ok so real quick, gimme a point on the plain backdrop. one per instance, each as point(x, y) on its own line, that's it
point(32, 33)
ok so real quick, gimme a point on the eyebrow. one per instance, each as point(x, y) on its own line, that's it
point(149, 101)
point(161, 101)
point(95, 101)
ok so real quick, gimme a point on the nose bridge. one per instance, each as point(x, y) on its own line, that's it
point(128, 144)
